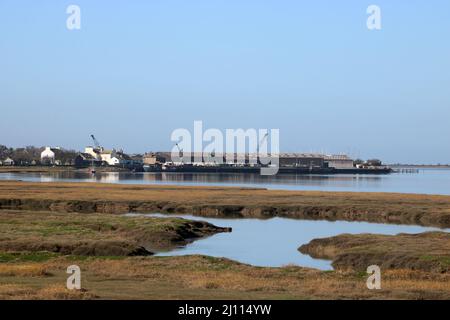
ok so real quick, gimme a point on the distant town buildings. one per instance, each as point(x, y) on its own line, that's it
point(7, 162)
point(51, 156)
point(110, 157)
point(97, 155)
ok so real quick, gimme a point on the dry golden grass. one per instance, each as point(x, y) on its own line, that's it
point(59, 292)
point(196, 277)
point(23, 270)
point(51, 292)
point(415, 280)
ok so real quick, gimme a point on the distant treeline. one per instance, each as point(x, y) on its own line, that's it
point(32, 155)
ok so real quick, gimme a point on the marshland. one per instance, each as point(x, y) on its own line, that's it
point(47, 226)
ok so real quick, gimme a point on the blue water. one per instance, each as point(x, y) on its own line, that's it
point(274, 242)
point(427, 181)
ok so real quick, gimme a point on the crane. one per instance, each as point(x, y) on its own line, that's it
point(261, 142)
point(96, 143)
point(180, 152)
point(99, 148)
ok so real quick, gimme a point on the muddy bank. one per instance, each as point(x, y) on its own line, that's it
point(96, 234)
point(426, 210)
point(428, 251)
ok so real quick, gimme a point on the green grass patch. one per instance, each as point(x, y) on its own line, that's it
point(444, 260)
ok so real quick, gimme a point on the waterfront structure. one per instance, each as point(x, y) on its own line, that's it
point(94, 152)
point(110, 157)
point(85, 160)
point(153, 159)
point(339, 161)
point(301, 160)
point(290, 160)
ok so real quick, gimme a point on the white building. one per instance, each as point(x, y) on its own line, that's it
point(49, 155)
point(94, 152)
point(8, 162)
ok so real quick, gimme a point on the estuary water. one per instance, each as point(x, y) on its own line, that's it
point(274, 242)
point(425, 181)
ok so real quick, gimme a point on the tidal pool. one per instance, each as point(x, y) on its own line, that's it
point(274, 242)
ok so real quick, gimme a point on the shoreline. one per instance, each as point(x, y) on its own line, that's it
point(394, 208)
point(48, 169)
point(427, 251)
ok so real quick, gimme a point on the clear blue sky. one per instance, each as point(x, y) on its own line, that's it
point(139, 69)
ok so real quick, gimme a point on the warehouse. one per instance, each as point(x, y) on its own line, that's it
point(302, 160)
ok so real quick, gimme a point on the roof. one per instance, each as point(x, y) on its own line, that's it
point(300, 155)
point(86, 156)
point(55, 150)
point(337, 157)
point(122, 156)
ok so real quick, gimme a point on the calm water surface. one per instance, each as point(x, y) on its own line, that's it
point(427, 181)
point(274, 242)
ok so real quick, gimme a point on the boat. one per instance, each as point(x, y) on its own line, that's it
point(189, 168)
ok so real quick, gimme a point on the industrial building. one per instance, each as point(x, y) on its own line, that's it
point(288, 160)
point(339, 161)
point(301, 160)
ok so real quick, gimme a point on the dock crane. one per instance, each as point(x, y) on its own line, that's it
point(261, 142)
point(97, 147)
point(96, 143)
point(180, 153)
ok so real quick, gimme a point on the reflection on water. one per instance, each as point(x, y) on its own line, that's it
point(274, 242)
point(430, 181)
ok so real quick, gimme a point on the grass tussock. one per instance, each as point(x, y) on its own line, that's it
point(429, 251)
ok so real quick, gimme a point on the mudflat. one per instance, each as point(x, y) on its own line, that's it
point(426, 210)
